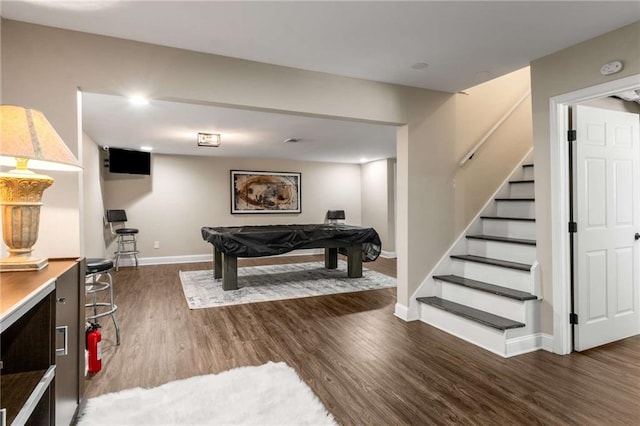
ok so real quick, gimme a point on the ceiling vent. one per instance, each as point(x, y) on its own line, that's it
point(209, 139)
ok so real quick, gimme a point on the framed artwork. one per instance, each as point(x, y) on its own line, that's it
point(265, 192)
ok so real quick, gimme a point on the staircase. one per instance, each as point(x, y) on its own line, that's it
point(486, 289)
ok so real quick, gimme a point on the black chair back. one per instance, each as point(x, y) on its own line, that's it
point(116, 216)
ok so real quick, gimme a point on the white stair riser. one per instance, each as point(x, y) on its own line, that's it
point(505, 277)
point(504, 251)
point(523, 209)
point(522, 190)
point(478, 334)
point(509, 228)
point(527, 173)
point(492, 303)
point(504, 343)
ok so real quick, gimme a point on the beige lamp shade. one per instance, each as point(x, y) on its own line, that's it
point(26, 133)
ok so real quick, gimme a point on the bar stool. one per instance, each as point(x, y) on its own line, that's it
point(125, 237)
point(96, 272)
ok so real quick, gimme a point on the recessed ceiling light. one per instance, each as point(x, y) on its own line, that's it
point(146, 148)
point(419, 65)
point(139, 100)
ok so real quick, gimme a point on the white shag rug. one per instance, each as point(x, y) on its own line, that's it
point(271, 394)
point(277, 282)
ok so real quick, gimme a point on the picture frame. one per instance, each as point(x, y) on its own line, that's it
point(261, 192)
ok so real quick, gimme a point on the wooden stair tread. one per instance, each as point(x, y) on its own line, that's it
point(482, 317)
point(522, 181)
point(521, 219)
point(494, 262)
point(502, 239)
point(515, 199)
point(486, 287)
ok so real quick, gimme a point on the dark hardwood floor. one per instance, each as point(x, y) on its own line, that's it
point(367, 366)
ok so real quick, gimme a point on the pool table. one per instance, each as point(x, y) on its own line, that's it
point(229, 243)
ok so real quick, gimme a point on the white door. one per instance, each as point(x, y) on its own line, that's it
point(607, 212)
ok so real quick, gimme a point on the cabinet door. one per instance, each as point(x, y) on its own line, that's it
point(69, 343)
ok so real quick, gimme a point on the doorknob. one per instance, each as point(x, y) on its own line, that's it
point(637, 237)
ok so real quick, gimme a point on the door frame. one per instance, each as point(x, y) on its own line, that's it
point(559, 171)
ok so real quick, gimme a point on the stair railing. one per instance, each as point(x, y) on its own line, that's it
point(469, 155)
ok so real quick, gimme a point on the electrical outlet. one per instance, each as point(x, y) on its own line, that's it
point(156, 244)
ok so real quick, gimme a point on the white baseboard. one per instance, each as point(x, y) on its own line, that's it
point(388, 254)
point(522, 345)
point(525, 344)
point(404, 313)
point(165, 260)
point(547, 342)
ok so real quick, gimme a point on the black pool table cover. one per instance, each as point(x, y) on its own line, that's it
point(270, 240)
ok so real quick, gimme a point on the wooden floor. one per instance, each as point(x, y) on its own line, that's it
point(367, 366)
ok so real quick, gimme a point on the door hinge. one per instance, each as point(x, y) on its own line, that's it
point(573, 227)
point(571, 135)
point(573, 318)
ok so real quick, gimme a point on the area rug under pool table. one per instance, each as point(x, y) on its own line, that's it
point(277, 282)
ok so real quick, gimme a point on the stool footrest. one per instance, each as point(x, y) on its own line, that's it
point(111, 311)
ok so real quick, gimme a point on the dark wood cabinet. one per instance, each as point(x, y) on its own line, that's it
point(69, 342)
point(33, 306)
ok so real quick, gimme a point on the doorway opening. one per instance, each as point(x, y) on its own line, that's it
point(560, 206)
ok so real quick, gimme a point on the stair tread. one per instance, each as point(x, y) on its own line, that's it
point(515, 199)
point(522, 181)
point(473, 314)
point(487, 287)
point(494, 262)
point(503, 239)
point(522, 219)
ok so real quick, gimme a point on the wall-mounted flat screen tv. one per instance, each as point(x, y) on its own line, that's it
point(129, 161)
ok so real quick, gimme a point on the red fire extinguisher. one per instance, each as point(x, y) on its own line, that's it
point(94, 347)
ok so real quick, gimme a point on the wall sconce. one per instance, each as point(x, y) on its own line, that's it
point(209, 139)
point(26, 137)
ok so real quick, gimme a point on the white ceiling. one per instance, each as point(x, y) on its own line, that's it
point(463, 43)
point(171, 128)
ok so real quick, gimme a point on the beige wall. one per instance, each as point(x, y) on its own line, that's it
point(426, 162)
point(108, 65)
point(185, 193)
point(377, 200)
point(92, 199)
point(477, 112)
point(571, 69)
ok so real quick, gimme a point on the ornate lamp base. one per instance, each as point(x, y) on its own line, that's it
point(15, 263)
point(21, 198)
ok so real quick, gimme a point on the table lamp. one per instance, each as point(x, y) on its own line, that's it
point(26, 137)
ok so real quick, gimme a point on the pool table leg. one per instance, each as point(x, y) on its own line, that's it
point(354, 261)
point(217, 264)
point(229, 272)
point(331, 258)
